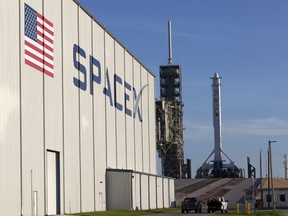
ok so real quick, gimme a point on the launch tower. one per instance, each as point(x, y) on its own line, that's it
point(169, 118)
point(217, 169)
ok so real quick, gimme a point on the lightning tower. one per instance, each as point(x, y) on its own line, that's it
point(217, 169)
point(169, 118)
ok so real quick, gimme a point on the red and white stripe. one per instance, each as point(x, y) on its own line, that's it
point(40, 54)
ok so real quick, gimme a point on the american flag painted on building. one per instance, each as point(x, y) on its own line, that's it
point(39, 40)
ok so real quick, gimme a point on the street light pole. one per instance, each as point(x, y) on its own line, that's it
point(269, 197)
point(271, 174)
point(261, 186)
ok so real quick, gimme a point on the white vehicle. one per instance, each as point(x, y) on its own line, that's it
point(224, 206)
point(217, 204)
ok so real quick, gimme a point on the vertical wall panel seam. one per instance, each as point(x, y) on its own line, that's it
point(20, 101)
point(148, 189)
point(156, 191)
point(63, 124)
point(133, 68)
point(163, 203)
point(169, 201)
point(115, 110)
point(93, 122)
point(142, 143)
point(105, 110)
point(131, 193)
point(154, 139)
point(143, 125)
point(79, 114)
point(44, 129)
point(149, 116)
point(140, 185)
point(105, 105)
point(125, 122)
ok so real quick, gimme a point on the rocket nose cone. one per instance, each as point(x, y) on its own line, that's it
point(216, 75)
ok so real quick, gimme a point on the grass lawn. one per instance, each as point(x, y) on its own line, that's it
point(128, 213)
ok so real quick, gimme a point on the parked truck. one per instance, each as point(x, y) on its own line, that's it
point(191, 204)
point(217, 204)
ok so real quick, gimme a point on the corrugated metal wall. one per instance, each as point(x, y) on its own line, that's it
point(171, 191)
point(166, 190)
point(10, 136)
point(144, 192)
point(128, 190)
point(90, 130)
point(99, 114)
point(159, 191)
point(119, 190)
point(152, 192)
point(71, 111)
point(136, 188)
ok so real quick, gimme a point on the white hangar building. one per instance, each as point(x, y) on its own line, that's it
point(77, 116)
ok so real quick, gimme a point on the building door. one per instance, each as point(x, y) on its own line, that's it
point(53, 183)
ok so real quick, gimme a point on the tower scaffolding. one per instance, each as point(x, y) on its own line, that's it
point(169, 117)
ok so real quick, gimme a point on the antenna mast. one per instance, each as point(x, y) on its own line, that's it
point(170, 43)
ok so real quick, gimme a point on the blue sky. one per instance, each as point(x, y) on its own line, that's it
point(245, 41)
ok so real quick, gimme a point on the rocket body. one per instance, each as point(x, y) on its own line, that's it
point(218, 169)
point(217, 120)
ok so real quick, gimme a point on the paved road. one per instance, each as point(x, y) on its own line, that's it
point(285, 211)
point(204, 212)
point(179, 213)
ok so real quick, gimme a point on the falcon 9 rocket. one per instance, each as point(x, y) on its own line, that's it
point(217, 169)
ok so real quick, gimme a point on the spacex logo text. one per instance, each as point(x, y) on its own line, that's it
point(94, 64)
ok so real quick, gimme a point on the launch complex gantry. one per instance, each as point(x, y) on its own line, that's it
point(169, 119)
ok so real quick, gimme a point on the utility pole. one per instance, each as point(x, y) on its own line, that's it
point(261, 191)
point(269, 197)
point(285, 163)
point(271, 174)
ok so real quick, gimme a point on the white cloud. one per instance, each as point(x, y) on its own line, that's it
point(261, 127)
point(272, 126)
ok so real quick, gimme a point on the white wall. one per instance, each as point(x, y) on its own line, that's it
point(71, 110)
point(159, 190)
point(166, 191)
point(100, 147)
point(110, 110)
point(171, 191)
point(130, 137)
point(86, 119)
point(144, 192)
point(53, 96)
point(40, 113)
point(152, 192)
point(277, 194)
point(136, 191)
point(119, 99)
point(32, 125)
point(145, 123)
point(137, 123)
point(10, 183)
point(152, 126)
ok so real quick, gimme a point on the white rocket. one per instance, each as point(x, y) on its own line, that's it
point(217, 164)
point(217, 117)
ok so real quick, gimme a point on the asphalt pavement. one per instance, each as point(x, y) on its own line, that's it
point(285, 211)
